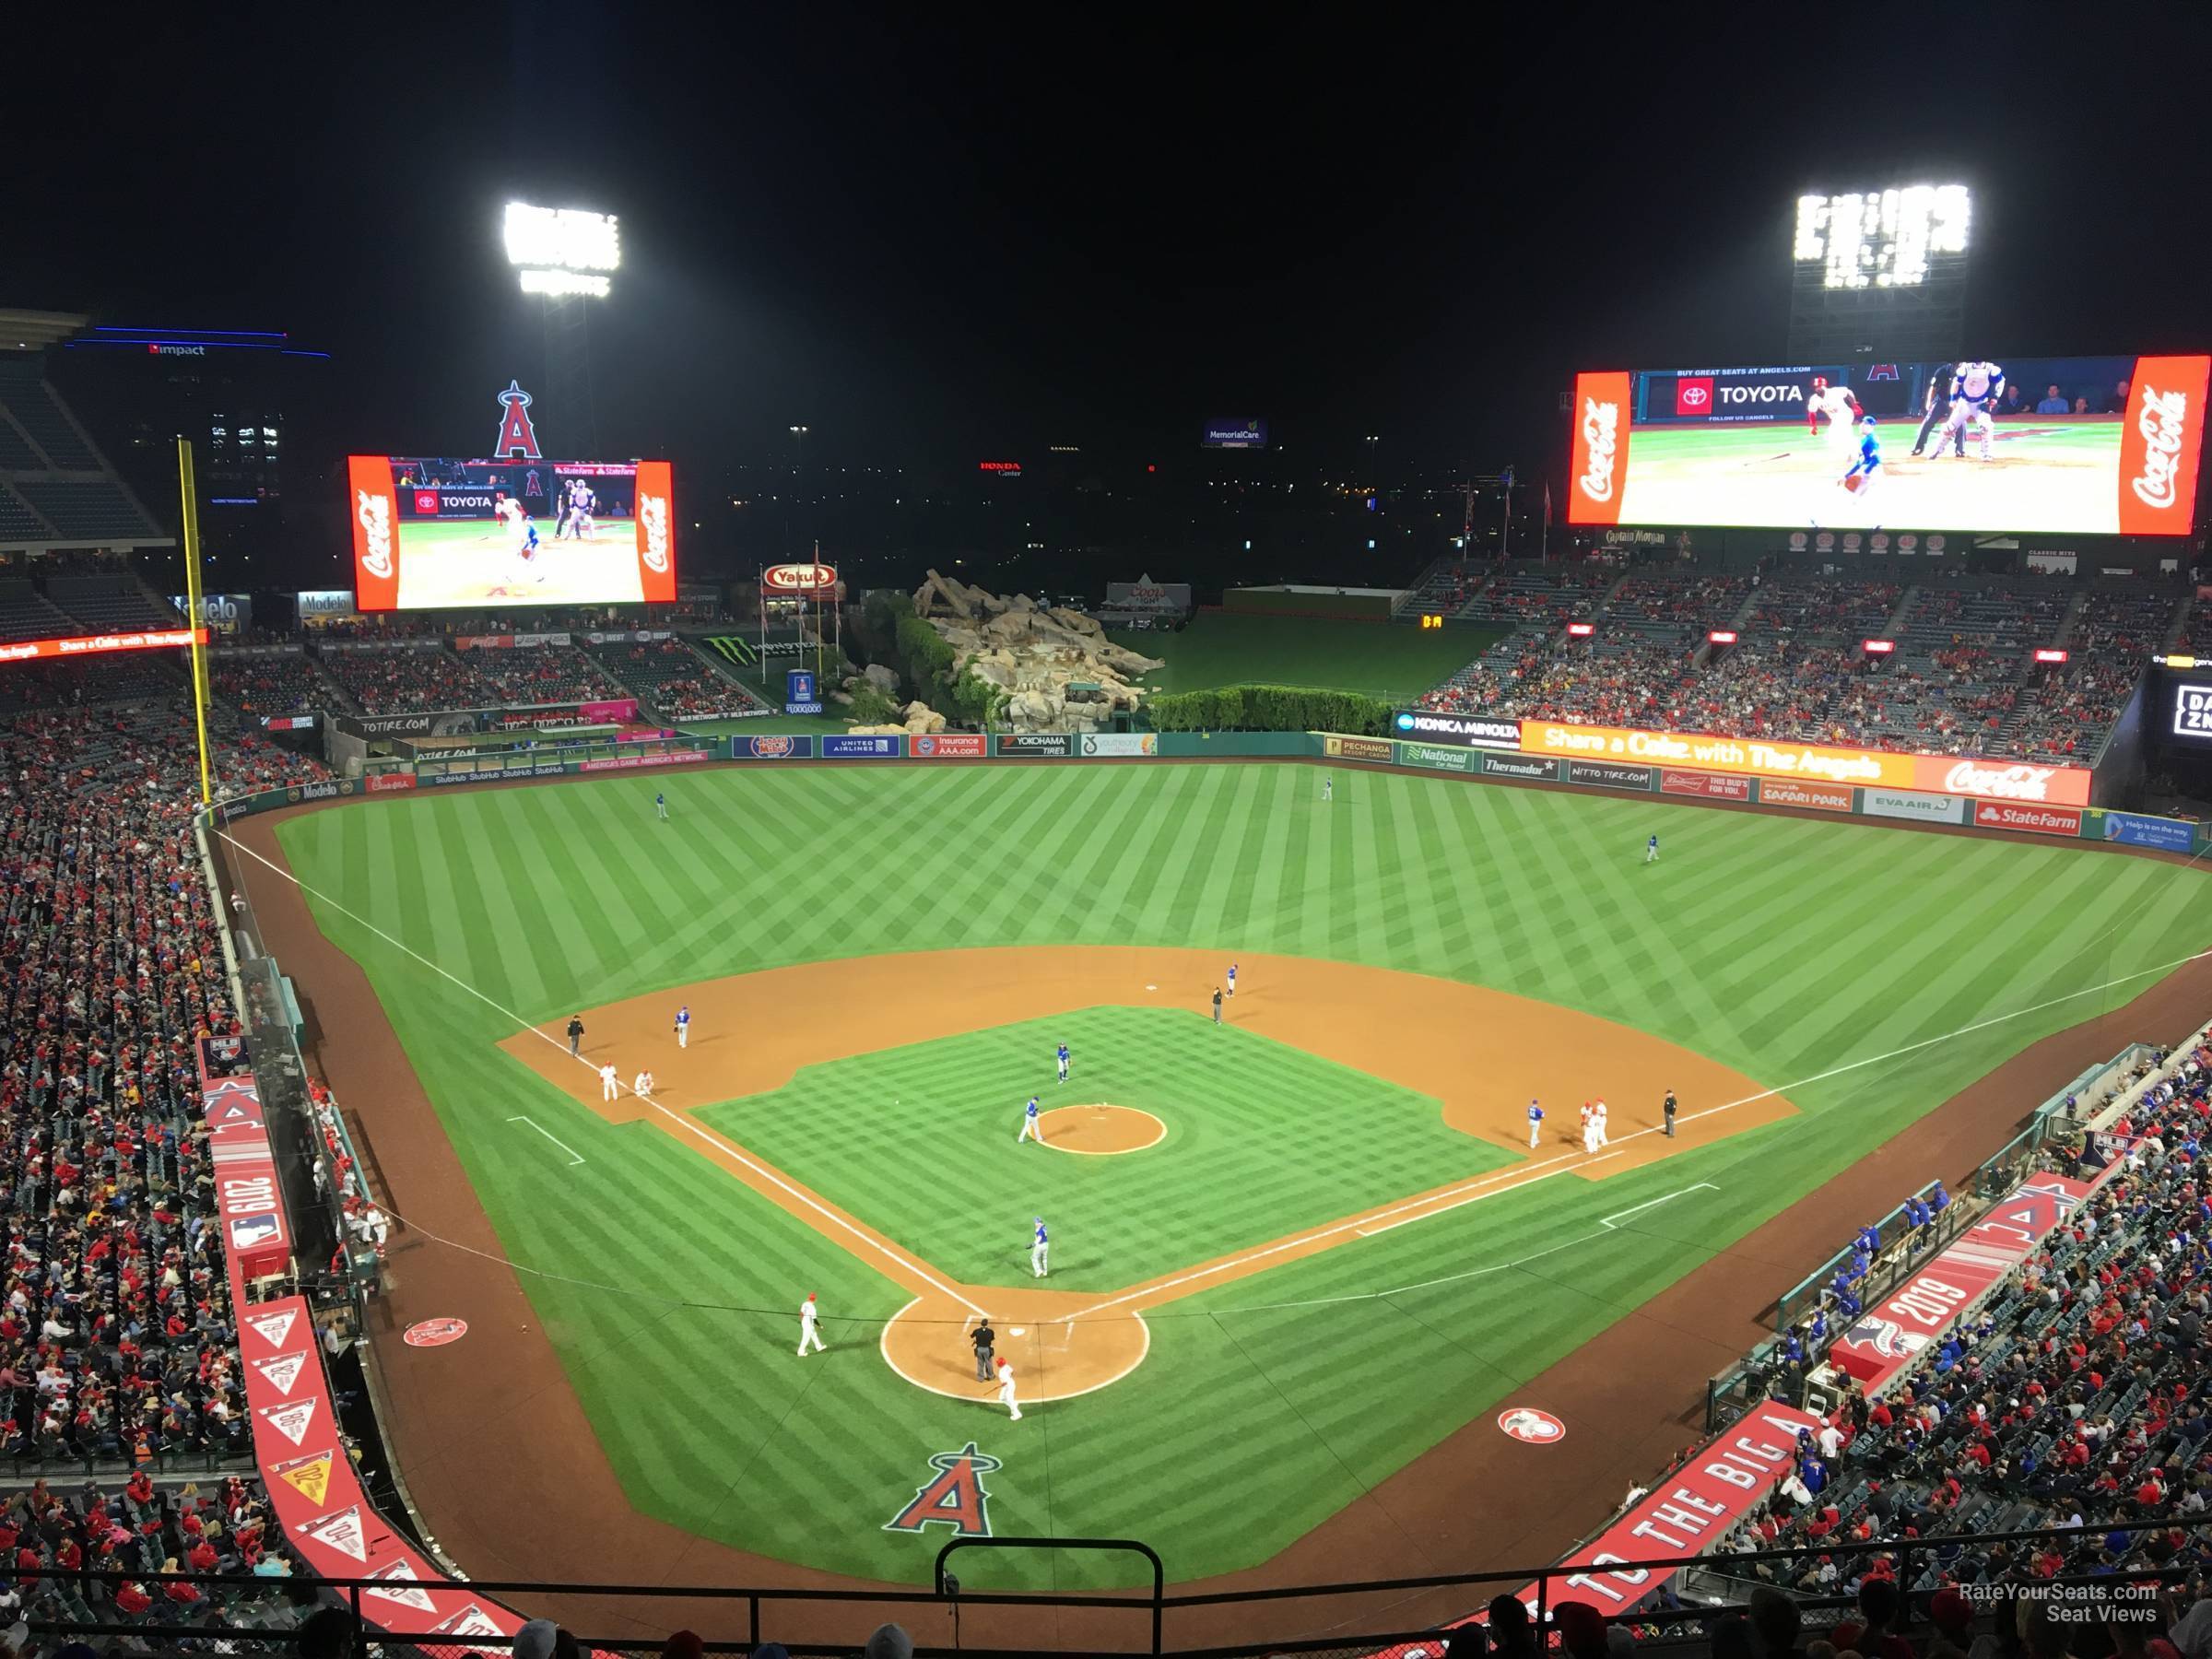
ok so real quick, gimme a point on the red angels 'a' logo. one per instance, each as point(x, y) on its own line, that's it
point(1536, 1428)
point(954, 1496)
point(518, 438)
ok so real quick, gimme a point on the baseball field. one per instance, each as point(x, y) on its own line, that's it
point(1294, 1258)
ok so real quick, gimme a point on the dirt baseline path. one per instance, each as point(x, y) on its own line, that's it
point(500, 1462)
point(1482, 1053)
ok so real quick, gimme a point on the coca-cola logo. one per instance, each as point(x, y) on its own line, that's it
point(1601, 422)
point(652, 514)
point(2162, 420)
point(372, 511)
point(2000, 782)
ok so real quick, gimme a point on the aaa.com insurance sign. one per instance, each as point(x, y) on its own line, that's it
point(1813, 762)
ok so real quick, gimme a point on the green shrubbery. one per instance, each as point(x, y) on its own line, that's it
point(871, 705)
point(1268, 708)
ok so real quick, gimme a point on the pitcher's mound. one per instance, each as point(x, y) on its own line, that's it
point(1099, 1130)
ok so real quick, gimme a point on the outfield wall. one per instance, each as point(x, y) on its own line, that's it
point(1477, 757)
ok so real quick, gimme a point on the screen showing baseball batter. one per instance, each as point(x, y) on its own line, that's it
point(2098, 445)
point(431, 534)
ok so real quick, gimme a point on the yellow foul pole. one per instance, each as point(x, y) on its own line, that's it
point(197, 608)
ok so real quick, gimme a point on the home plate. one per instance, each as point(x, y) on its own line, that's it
point(1151, 987)
point(1020, 1331)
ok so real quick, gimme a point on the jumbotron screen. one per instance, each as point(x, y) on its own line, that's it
point(431, 534)
point(2098, 445)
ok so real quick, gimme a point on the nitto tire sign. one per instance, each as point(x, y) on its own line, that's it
point(1468, 731)
point(1604, 774)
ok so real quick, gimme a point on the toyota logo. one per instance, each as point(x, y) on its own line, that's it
point(1697, 397)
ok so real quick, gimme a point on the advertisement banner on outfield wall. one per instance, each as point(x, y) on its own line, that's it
point(1816, 797)
point(1918, 808)
point(498, 774)
point(2135, 829)
point(1520, 767)
point(1437, 759)
point(683, 757)
point(1470, 730)
point(1985, 780)
point(1120, 743)
point(387, 782)
point(1604, 774)
point(1357, 748)
point(2041, 820)
point(782, 745)
point(1718, 786)
point(948, 746)
point(1887, 1338)
point(881, 745)
point(1034, 745)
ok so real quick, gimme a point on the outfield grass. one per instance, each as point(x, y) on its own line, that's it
point(1789, 949)
point(1262, 1139)
point(1378, 659)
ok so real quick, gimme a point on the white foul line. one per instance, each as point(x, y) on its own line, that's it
point(1702, 1186)
point(564, 1146)
point(763, 1171)
point(2159, 970)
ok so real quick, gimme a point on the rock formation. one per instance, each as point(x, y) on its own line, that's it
point(1059, 670)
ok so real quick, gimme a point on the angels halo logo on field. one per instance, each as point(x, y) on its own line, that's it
point(953, 1497)
point(434, 1333)
point(1532, 1427)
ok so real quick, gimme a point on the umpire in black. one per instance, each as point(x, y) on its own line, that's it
point(985, 1339)
point(1939, 406)
point(575, 1033)
point(1668, 1107)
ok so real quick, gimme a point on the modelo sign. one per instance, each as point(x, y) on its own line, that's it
point(799, 578)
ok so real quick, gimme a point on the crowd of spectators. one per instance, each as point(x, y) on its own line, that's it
point(668, 675)
point(407, 678)
point(268, 685)
point(1960, 681)
point(523, 674)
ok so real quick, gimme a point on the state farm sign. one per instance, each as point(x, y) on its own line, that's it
point(799, 578)
point(2043, 820)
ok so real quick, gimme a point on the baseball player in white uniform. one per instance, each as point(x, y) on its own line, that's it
point(807, 1326)
point(1837, 408)
point(1536, 1124)
point(1006, 1389)
point(1598, 1120)
point(1030, 1131)
point(1975, 388)
point(1037, 1249)
point(610, 1087)
point(1589, 1128)
point(642, 1086)
point(683, 1027)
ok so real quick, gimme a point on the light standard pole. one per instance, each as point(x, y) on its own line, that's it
point(798, 471)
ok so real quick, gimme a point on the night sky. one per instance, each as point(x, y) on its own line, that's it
point(939, 237)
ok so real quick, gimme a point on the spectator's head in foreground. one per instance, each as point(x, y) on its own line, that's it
point(888, 1642)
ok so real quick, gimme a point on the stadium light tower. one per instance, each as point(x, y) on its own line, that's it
point(563, 255)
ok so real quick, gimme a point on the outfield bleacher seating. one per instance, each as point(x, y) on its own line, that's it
point(26, 396)
point(86, 510)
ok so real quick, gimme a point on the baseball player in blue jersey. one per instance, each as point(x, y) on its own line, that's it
point(1650, 851)
point(1233, 979)
point(1536, 1124)
point(1859, 480)
point(683, 1027)
point(1037, 1247)
point(1063, 1058)
point(1030, 1131)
